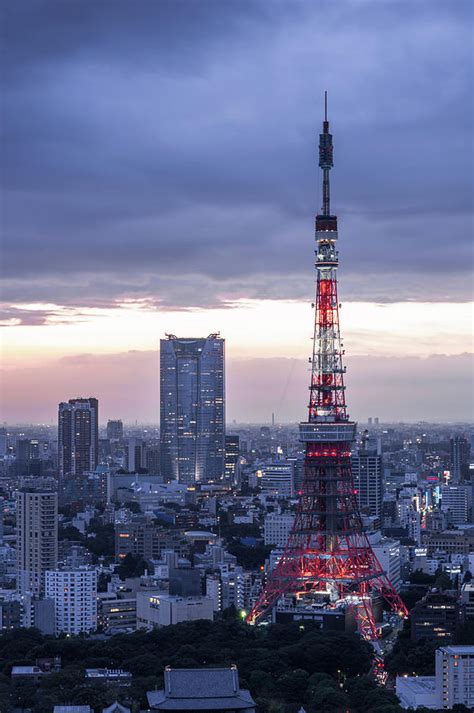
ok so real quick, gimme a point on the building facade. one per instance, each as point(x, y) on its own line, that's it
point(74, 593)
point(192, 409)
point(277, 527)
point(455, 676)
point(37, 538)
point(367, 473)
point(78, 436)
point(156, 609)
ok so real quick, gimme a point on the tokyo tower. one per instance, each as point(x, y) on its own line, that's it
point(328, 556)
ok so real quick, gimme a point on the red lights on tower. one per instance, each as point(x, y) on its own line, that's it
point(328, 552)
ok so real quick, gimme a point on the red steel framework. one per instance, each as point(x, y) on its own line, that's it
point(328, 554)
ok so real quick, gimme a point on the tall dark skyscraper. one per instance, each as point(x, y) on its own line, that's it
point(78, 436)
point(367, 472)
point(192, 409)
point(460, 451)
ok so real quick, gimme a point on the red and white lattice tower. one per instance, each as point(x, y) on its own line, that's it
point(328, 554)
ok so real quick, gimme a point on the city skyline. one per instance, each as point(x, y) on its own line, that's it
point(135, 218)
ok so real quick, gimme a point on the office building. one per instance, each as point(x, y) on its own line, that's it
point(456, 502)
point(115, 430)
point(156, 609)
point(455, 676)
point(192, 409)
point(278, 479)
point(148, 541)
point(367, 473)
point(232, 455)
point(277, 527)
point(416, 691)
point(135, 450)
point(152, 459)
point(78, 436)
point(460, 452)
point(37, 538)
point(437, 617)
point(387, 552)
point(74, 592)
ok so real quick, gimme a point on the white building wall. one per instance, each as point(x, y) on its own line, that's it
point(74, 593)
point(277, 527)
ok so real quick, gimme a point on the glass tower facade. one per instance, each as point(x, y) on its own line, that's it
point(192, 409)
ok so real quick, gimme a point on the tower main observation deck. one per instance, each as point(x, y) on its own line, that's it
point(328, 555)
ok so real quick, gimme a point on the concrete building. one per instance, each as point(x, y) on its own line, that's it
point(437, 617)
point(387, 552)
point(203, 689)
point(277, 527)
point(416, 691)
point(37, 538)
point(192, 409)
point(367, 473)
point(460, 452)
point(232, 455)
point(277, 479)
point(116, 613)
point(455, 676)
point(456, 502)
point(467, 596)
point(74, 593)
point(115, 430)
point(156, 609)
point(135, 454)
point(78, 436)
point(148, 541)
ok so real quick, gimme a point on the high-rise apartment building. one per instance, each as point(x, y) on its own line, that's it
point(74, 592)
point(460, 451)
point(367, 473)
point(192, 409)
point(37, 538)
point(78, 436)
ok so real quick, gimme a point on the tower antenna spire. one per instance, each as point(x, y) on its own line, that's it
point(325, 106)
point(328, 559)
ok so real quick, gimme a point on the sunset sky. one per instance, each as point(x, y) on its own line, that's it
point(160, 175)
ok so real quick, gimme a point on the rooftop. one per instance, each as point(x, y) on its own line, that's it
point(458, 650)
point(201, 689)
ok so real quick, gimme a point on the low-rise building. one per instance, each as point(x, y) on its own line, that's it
point(416, 691)
point(204, 689)
point(156, 609)
point(437, 617)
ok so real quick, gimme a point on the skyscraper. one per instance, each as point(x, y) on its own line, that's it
point(460, 451)
point(367, 473)
point(232, 454)
point(37, 538)
point(78, 436)
point(192, 408)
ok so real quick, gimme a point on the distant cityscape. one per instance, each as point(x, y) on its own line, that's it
point(97, 541)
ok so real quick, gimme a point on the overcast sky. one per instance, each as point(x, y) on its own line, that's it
point(162, 156)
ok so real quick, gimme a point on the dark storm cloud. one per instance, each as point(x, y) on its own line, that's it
point(166, 151)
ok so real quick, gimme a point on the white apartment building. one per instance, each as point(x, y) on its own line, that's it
point(455, 676)
point(74, 592)
point(277, 527)
point(155, 609)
